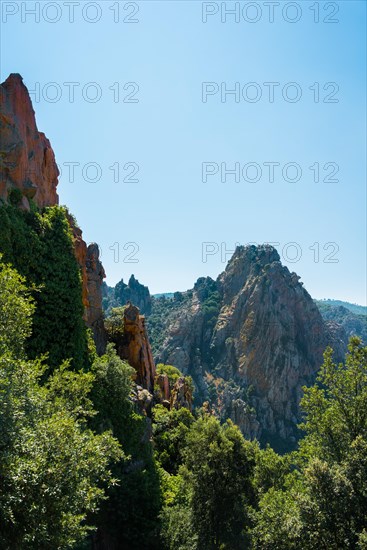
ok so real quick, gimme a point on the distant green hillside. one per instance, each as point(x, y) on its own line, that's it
point(354, 308)
point(347, 315)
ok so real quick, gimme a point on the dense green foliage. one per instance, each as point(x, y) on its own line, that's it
point(208, 505)
point(322, 501)
point(170, 429)
point(16, 309)
point(79, 447)
point(40, 246)
point(219, 465)
point(131, 512)
point(52, 466)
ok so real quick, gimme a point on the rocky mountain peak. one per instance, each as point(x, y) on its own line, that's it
point(27, 159)
point(133, 292)
point(251, 340)
point(247, 262)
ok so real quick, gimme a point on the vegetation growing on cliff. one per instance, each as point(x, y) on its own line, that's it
point(40, 246)
point(158, 320)
point(54, 469)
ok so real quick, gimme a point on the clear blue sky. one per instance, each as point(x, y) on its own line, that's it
point(170, 132)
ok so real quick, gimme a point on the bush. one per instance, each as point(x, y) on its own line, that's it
point(15, 196)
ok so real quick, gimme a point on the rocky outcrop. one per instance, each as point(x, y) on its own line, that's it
point(122, 294)
point(181, 394)
point(28, 172)
point(92, 279)
point(126, 329)
point(162, 382)
point(93, 312)
point(256, 328)
point(27, 159)
point(171, 393)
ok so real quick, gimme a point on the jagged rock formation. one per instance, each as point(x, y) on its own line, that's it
point(162, 383)
point(27, 159)
point(173, 395)
point(181, 395)
point(127, 331)
point(28, 167)
point(251, 340)
point(123, 293)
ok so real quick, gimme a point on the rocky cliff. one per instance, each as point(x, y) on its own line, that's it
point(27, 159)
point(28, 171)
point(251, 340)
point(126, 329)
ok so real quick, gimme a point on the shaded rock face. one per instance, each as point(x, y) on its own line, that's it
point(28, 165)
point(251, 340)
point(132, 345)
point(93, 311)
point(27, 159)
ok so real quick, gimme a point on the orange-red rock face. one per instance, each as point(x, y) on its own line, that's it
point(132, 345)
point(95, 274)
point(28, 164)
point(139, 353)
point(27, 159)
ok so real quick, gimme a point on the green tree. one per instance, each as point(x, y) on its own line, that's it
point(333, 510)
point(129, 518)
point(271, 470)
point(277, 523)
point(53, 469)
point(322, 503)
point(336, 406)
point(16, 309)
point(218, 467)
point(170, 428)
point(40, 246)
